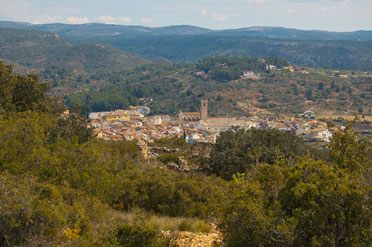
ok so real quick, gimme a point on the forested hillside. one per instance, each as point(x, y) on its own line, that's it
point(39, 51)
point(221, 79)
point(348, 50)
point(59, 186)
point(331, 54)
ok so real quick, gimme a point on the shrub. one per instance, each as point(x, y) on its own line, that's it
point(138, 236)
point(170, 157)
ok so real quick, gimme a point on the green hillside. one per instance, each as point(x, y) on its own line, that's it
point(36, 50)
point(186, 48)
point(181, 87)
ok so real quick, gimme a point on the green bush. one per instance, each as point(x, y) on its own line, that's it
point(170, 157)
point(138, 236)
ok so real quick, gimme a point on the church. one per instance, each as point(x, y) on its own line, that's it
point(195, 116)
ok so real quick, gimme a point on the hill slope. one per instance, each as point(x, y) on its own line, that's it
point(33, 50)
point(181, 87)
point(186, 48)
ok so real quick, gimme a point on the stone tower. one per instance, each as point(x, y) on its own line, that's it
point(204, 109)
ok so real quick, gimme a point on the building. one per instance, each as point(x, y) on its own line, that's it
point(308, 114)
point(195, 116)
point(117, 117)
point(189, 116)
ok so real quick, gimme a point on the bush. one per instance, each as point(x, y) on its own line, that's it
point(238, 150)
point(170, 157)
point(138, 236)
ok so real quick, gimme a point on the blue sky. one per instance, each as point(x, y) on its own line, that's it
point(332, 15)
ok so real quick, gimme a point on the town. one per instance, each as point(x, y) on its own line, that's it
point(133, 124)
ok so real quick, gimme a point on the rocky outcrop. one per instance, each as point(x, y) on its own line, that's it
point(180, 166)
point(142, 150)
point(201, 149)
point(200, 153)
point(190, 239)
point(163, 150)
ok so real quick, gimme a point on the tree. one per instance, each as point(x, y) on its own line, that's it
point(237, 150)
point(19, 93)
point(308, 204)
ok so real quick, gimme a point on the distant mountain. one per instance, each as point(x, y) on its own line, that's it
point(338, 50)
point(99, 29)
point(32, 50)
point(288, 33)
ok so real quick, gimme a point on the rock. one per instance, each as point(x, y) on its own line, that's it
point(142, 150)
point(201, 149)
point(180, 166)
point(190, 239)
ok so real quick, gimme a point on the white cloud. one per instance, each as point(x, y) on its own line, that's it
point(219, 16)
point(146, 20)
point(77, 20)
point(107, 19)
point(124, 19)
point(203, 12)
point(290, 10)
point(236, 14)
point(256, 1)
point(324, 9)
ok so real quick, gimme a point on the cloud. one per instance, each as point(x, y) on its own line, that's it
point(146, 20)
point(256, 1)
point(107, 19)
point(290, 10)
point(203, 12)
point(219, 16)
point(124, 19)
point(324, 9)
point(77, 20)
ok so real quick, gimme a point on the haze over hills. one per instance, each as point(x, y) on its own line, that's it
point(337, 50)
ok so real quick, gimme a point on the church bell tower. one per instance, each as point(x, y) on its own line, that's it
point(204, 109)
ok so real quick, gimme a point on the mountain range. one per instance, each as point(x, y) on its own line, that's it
point(190, 44)
point(99, 29)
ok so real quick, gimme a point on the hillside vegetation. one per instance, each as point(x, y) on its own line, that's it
point(186, 48)
point(39, 51)
point(181, 87)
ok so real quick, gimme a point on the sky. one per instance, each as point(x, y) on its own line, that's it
point(330, 15)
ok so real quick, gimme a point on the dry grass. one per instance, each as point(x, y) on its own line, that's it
point(162, 223)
